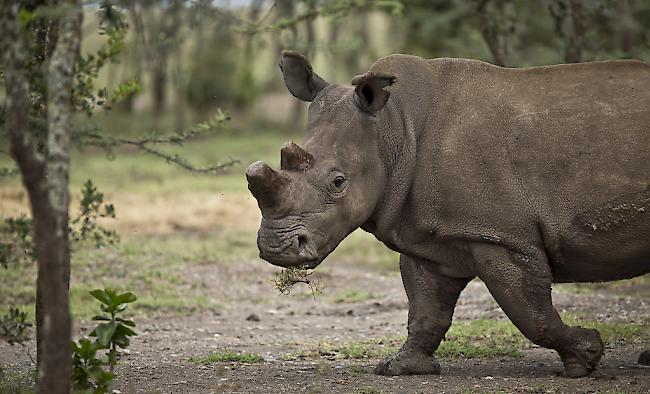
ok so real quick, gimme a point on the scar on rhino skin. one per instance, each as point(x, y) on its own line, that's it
point(617, 212)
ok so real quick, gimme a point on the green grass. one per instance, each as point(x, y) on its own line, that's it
point(16, 381)
point(151, 266)
point(227, 356)
point(135, 172)
point(481, 338)
point(366, 390)
point(352, 295)
point(638, 287)
point(356, 370)
point(363, 249)
point(614, 333)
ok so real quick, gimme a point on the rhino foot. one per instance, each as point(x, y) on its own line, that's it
point(582, 356)
point(407, 362)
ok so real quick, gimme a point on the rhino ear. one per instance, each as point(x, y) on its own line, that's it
point(299, 77)
point(369, 93)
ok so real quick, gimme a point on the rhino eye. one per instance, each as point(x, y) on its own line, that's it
point(339, 181)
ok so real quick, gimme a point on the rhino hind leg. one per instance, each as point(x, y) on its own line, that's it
point(432, 298)
point(521, 285)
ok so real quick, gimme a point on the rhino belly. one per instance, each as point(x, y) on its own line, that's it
point(609, 243)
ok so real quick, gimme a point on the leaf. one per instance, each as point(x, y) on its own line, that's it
point(126, 298)
point(100, 375)
point(124, 330)
point(102, 296)
point(121, 341)
point(85, 349)
point(104, 333)
point(101, 318)
point(126, 322)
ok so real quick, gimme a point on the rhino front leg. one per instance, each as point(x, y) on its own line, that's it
point(432, 298)
point(522, 287)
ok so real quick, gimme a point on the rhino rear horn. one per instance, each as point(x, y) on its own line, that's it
point(265, 184)
point(294, 158)
point(299, 77)
point(369, 93)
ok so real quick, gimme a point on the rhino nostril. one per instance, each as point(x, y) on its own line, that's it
point(302, 243)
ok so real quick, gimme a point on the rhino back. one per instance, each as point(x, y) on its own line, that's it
point(532, 157)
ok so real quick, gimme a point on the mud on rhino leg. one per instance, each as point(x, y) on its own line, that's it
point(432, 298)
point(521, 285)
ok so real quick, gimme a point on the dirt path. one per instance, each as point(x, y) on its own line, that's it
point(286, 328)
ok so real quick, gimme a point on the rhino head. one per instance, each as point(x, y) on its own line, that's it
point(331, 186)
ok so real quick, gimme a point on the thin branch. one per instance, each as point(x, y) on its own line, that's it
point(266, 15)
point(328, 9)
point(181, 162)
point(144, 144)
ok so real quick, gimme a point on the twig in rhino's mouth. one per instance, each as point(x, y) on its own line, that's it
point(285, 279)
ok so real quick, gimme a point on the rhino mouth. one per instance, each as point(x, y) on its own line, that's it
point(288, 248)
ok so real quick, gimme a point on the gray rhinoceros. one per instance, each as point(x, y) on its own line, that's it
point(521, 177)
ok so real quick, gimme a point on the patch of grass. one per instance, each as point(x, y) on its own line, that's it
point(482, 338)
point(16, 382)
point(363, 249)
point(151, 265)
point(356, 370)
point(613, 333)
point(227, 356)
point(366, 390)
point(638, 287)
point(354, 350)
point(352, 295)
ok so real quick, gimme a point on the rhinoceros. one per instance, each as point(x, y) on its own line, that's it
point(520, 177)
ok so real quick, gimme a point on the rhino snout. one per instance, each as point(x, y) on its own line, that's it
point(287, 250)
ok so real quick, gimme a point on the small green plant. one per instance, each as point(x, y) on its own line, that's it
point(16, 243)
point(15, 240)
point(87, 369)
point(285, 279)
point(84, 227)
point(227, 356)
point(14, 326)
point(114, 331)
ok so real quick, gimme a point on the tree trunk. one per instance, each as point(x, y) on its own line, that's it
point(569, 19)
point(625, 28)
point(492, 32)
point(137, 52)
point(48, 194)
point(159, 82)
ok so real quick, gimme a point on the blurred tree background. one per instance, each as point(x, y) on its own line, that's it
point(192, 57)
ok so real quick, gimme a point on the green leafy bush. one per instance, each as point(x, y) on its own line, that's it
point(114, 331)
point(14, 326)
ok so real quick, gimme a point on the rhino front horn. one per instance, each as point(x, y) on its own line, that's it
point(265, 184)
point(294, 158)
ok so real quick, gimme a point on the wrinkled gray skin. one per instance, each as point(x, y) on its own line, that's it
point(521, 177)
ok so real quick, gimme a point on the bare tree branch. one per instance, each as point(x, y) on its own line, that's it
point(146, 144)
point(333, 8)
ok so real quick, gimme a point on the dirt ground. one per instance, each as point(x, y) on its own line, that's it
point(159, 359)
point(295, 334)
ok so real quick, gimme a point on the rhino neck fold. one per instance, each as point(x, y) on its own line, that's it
point(398, 151)
point(408, 114)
